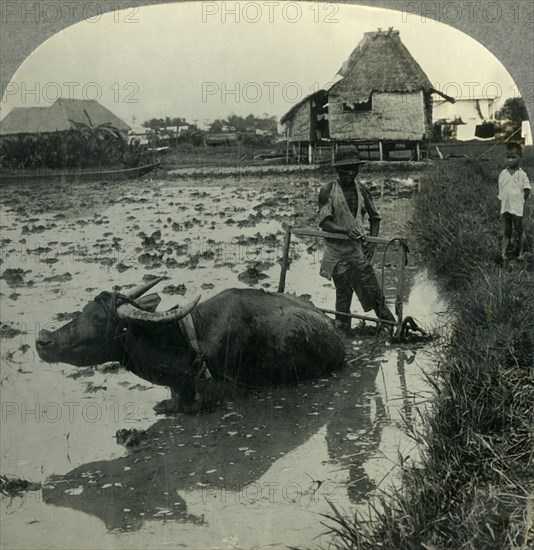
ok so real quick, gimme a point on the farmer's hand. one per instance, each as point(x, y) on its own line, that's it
point(354, 235)
point(369, 251)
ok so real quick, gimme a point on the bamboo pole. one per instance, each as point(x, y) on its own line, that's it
point(357, 316)
point(400, 283)
point(327, 235)
point(285, 261)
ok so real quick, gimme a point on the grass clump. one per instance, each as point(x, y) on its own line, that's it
point(473, 485)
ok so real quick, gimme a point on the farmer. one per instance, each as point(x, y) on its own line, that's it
point(342, 207)
point(514, 189)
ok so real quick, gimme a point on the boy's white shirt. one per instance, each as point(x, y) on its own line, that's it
point(511, 187)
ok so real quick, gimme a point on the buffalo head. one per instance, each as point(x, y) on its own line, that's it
point(94, 335)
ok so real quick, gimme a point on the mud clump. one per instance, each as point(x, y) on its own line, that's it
point(65, 277)
point(175, 289)
point(15, 486)
point(131, 438)
point(81, 373)
point(150, 260)
point(14, 276)
point(254, 273)
point(8, 331)
point(121, 267)
point(152, 241)
point(26, 229)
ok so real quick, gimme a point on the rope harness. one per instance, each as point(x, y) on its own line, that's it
point(188, 329)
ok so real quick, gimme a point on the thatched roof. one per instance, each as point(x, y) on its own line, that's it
point(379, 63)
point(319, 95)
point(64, 114)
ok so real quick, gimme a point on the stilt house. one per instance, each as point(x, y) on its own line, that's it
point(381, 100)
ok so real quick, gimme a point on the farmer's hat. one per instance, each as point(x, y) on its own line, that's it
point(347, 156)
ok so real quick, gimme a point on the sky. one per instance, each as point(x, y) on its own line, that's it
point(206, 60)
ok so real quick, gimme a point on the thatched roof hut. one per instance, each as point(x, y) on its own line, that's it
point(379, 63)
point(383, 94)
point(63, 115)
point(380, 95)
point(306, 120)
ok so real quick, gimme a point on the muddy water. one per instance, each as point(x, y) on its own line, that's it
point(257, 472)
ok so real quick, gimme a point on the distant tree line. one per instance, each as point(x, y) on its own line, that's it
point(510, 118)
point(162, 123)
point(514, 110)
point(81, 147)
point(233, 123)
point(248, 124)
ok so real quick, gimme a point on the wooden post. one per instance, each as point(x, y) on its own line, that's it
point(285, 261)
point(287, 146)
point(417, 152)
point(310, 154)
point(400, 283)
point(380, 151)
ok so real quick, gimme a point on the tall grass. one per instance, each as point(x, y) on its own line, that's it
point(473, 485)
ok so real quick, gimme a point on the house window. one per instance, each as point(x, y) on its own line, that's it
point(357, 107)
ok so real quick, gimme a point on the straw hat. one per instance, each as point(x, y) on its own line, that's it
point(347, 156)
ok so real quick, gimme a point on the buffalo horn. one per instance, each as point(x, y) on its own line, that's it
point(140, 290)
point(132, 313)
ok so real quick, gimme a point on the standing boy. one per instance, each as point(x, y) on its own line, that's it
point(514, 189)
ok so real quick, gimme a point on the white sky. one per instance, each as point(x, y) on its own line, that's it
point(185, 60)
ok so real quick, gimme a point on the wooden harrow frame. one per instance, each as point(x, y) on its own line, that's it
point(402, 324)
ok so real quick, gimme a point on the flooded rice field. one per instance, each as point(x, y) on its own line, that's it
point(257, 472)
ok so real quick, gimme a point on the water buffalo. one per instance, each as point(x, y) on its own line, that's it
point(241, 338)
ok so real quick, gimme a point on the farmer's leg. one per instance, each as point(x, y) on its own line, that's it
point(365, 284)
point(343, 292)
point(506, 218)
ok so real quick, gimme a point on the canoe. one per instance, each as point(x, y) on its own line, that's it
point(118, 174)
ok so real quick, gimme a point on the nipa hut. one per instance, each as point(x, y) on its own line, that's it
point(381, 100)
point(63, 115)
point(306, 124)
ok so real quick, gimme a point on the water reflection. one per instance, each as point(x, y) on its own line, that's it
point(190, 468)
point(227, 452)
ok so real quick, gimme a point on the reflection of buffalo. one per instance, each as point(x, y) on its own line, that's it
point(219, 458)
point(240, 336)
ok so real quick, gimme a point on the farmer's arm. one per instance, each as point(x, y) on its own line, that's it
point(326, 222)
point(372, 212)
point(374, 222)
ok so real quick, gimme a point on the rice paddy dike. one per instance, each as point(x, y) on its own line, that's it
point(473, 486)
